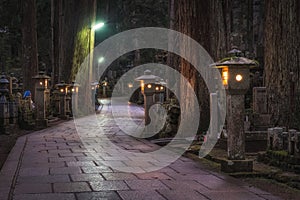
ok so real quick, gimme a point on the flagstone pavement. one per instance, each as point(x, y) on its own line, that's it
point(54, 164)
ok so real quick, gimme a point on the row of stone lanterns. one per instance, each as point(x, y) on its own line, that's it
point(10, 101)
point(62, 98)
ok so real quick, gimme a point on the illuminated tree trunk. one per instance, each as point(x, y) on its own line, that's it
point(72, 36)
point(194, 18)
point(282, 57)
point(29, 44)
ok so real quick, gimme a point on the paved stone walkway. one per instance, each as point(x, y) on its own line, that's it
point(53, 164)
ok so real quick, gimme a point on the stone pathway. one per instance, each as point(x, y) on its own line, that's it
point(55, 164)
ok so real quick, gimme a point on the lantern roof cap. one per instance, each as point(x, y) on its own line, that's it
point(3, 80)
point(235, 51)
point(41, 75)
point(61, 84)
point(74, 84)
point(147, 76)
point(235, 59)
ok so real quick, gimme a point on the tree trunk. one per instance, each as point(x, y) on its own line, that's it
point(217, 26)
point(29, 45)
point(54, 41)
point(194, 18)
point(282, 57)
point(72, 36)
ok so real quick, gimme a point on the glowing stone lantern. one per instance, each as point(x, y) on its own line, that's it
point(147, 82)
point(42, 97)
point(62, 91)
point(235, 73)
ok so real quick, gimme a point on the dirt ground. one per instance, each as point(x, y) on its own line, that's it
point(7, 142)
point(274, 187)
point(267, 184)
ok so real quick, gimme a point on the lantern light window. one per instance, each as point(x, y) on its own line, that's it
point(225, 76)
point(239, 77)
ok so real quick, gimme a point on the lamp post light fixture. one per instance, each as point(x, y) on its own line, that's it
point(148, 86)
point(42, 98)
point(98, 26)
point(235, 72)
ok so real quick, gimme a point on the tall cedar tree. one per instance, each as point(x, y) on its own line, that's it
point(282, 58)
point(29, 44)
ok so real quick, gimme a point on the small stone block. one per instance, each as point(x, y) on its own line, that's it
point(231, 166)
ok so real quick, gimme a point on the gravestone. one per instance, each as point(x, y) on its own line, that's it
point(260, 100)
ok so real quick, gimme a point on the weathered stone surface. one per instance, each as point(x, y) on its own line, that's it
point(235, 127)
point(183, 179)
point(260, 100)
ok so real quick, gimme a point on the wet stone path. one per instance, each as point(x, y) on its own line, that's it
point(58, 164)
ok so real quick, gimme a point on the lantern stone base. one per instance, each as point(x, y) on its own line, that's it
point(231, 166)
point(41, 123)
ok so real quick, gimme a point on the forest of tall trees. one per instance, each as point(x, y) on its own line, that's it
point(56, 36)
point(267, 31)
point(282, 58)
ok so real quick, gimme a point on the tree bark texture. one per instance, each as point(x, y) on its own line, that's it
point(217, 26)
point(282, 57)
point(72, 36)
point(194, 18)
point(29, 45)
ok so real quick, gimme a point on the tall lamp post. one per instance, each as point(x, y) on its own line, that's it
point(93, 28)
point(235, 72)
point(100, 60)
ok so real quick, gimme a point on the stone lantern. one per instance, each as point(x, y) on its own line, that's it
point(62, 93)
point(4, 83)
point(15, 86)
point(104, 87)
point(147, 82)
point(235, 73)
point(73, 91)
point(160, 88)
point(4, 112)
point(42, 97)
